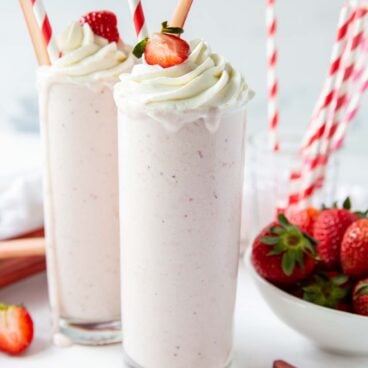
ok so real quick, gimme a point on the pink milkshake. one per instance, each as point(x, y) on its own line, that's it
point(181, 155)
point(79, 131)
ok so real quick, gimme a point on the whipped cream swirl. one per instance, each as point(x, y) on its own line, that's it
point(86, 55)
point(205, 80)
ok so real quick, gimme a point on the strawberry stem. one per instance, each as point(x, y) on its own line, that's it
point(171, 30)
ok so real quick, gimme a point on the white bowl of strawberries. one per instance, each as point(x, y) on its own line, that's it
point(313, 273)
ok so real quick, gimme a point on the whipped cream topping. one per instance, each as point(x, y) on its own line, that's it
point(86, 55)
point(205, 80)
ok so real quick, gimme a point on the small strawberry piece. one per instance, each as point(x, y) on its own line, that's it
point(354, 249)
point(282, 364)
point(329, 229)
point(305, 219)
point(103, 23)
point(283, 254)
point(360, 297)
point(328, 289)
point(16, 329)
point(166, 50)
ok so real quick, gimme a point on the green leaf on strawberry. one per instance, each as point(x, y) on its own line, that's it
point(290, 242)
point(139, 48)
point(328, 289)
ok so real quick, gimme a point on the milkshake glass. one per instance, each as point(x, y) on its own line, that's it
point(79, 132)
point(181, 156)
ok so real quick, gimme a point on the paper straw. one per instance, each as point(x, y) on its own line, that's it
point(181, 13)
point(315, 170)
point(272, 82)
point(360, 77)
point(38, 42)
point(317, 125)
point(139, 20)
point(45, 27)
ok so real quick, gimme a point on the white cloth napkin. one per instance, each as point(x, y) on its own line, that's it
point(21, 204)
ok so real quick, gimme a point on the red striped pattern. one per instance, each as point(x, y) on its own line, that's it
point(45, 28)
point(334, 104)
point(138, 18)
point(273, 87)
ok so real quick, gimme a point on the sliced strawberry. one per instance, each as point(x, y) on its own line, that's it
point(103, 23)
point(16, 329)
point(166, 50)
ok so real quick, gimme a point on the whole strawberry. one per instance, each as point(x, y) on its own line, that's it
point(283, 254)
point(103, 23)
point(305, 219)
point(329, 229)
point(360, 297)
point(354, 249)
point(328, 289)
point(16, 329)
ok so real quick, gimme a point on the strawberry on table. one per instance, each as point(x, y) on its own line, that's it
point(329, 229)
point(283, 254)
point(165, 48)
point(16, 329)
point(360, 297)
point(354, 249)
point(328, 289)
point(103, 23)
point(305, 219)
point(282, 364)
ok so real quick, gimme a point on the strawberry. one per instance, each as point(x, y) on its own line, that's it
point(305, 219)
point(329, 229)
point(103, 23)
point(283, 254)
point(354, 249)
point(328, 289)
point(281, 364)
point(165, 49)
point(16, 329)
point(360, 297)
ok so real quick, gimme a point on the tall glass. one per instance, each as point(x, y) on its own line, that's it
point(79, 131)
point(267, 187)
point(180, 203)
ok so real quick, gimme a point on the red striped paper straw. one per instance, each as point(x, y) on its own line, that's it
point(317, 125)
point(315, 170)
point(46, 30)
point(350, 114)
point(139, 21)
point(272, 82)
point(360, 77)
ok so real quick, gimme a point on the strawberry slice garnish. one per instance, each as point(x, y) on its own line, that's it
point(165, 49)
point(103, 23)
point(16, 329)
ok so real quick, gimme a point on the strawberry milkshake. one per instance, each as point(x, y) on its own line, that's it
point(79, 131)
point(181, 144)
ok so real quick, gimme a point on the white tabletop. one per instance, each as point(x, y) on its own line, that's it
point(260, 337)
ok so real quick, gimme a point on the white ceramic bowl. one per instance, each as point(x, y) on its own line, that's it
point(329, 329)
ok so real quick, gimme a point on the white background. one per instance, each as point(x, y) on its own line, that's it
point(234, 28)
